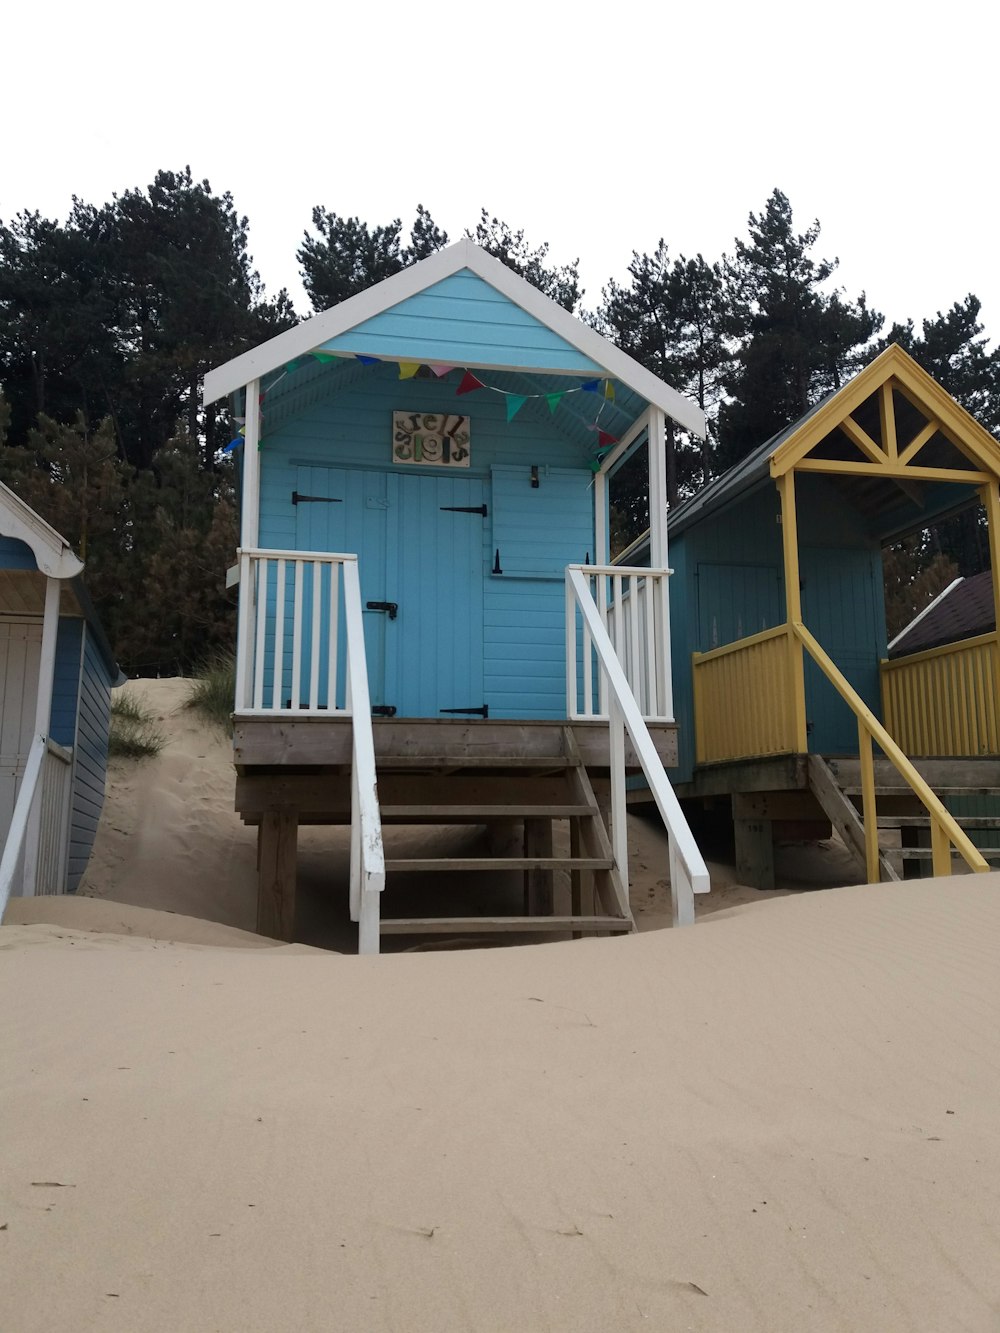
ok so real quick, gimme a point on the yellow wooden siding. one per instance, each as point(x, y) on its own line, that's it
point(943, 702)
point(745, 698)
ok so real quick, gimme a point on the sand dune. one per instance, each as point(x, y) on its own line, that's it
point(784, 1119)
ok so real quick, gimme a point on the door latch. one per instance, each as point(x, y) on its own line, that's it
point(389, 607)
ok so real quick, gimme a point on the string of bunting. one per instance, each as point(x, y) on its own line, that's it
point(469, 383)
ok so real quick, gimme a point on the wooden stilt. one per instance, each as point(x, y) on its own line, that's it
point(277, 847)
point(538, 883)
point(754, 848)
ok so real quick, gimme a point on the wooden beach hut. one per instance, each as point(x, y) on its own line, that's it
point(56, 674)
point(429, 630)
point(786, 702)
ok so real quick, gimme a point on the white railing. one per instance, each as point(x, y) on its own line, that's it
point(57, 785)
point(688, 872)
point(290, 642)
point(20, 820)
point(301, 652)
point(634, 612)
point(367, 854)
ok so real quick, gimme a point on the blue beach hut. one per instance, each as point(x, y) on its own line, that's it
point(424, 542)
point(56, 674)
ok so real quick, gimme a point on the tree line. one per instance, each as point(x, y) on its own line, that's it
point(109, 321)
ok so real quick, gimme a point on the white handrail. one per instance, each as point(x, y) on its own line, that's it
point(20, 819)
point(688, 872)
point(367, 853)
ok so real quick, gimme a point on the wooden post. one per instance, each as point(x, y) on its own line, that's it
point(43, 718)
point(278, 863)
point(793, 605)
point(658, 556)
point(869, 812)
point(754, 846)
point(250, 518)
point(538, 883)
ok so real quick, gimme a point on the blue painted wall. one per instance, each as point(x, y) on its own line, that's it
point(463, 320)
point(66, 681)
point(728, 583)
point(91, 756)
point(15, 554)
point(391, 515)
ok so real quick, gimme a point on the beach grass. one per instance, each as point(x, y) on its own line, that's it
point(133, 733)
point(213, 690)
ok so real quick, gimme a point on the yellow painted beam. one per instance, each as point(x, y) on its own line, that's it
point(924, 434)
point(991, 502)
point(963, 430)
point(793, 607)
point(887, 420)
point(868, 811)
point(891, 471)
point(860, 437)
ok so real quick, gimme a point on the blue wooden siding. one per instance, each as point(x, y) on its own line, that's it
point(66, 681)
point(15, 554)
point(90, 758)
point(728, 583)
point(463, 319)
point(518, 616)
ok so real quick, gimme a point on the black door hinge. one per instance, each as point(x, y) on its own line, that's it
point(299, 499)
point(471, 712)
point(465, 509)
point(390, 607)
point(383, 710)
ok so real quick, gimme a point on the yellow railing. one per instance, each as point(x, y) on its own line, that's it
point(944, 701)
point(749, 699)
point(945, 833)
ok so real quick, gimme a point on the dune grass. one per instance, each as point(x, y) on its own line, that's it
point(133, 734)
point(213, 690)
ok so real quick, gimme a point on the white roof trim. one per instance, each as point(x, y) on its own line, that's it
point(311, 333)
point(53, 554)
point(920, 614)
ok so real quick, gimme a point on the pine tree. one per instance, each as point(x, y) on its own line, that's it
point(347, 256)
point(562, 283)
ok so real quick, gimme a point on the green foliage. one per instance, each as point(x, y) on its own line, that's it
point(510, 247)
point(213, 689)
point(348, 256)
point(133, 733)
point(913, 577)
point(792, 341)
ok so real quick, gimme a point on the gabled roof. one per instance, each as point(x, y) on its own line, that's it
point(965, 609)
point(53, 554)
point(313, 333)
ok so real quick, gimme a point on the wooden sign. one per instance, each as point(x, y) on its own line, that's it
point(433, 439)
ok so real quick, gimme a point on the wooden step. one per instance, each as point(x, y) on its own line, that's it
point(925, 853)
point(466, 863)
point(941, 792)
point(454, 763)
point(923, 821)
point(494, 925)
point(474, 814)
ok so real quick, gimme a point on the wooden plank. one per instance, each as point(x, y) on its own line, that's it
point(539, 894)
point(843, 815)
point(922, 821)
point(449, 814)
point(784, 772)
point(481, 925)
point(469, 863)
point(277, 862)
point(754, 851)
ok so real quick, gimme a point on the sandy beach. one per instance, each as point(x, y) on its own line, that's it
point(782, 1118)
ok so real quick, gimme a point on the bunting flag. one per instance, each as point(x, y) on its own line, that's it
point(553, 400)
point(407, 369)
point(590, 386)
point(441, 371)
point(324, 356)
point(367, 360)
point(515, 401)
point(604, 439)
point(233, 444)
point(609, 391)
point(469, 383)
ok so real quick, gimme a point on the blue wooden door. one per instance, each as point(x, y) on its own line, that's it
point(436, 555)
point(342, 510)
point(736, 601)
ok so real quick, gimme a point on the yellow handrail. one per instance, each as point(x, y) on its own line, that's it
point(945, 832)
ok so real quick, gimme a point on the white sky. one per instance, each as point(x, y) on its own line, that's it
point(598, 128)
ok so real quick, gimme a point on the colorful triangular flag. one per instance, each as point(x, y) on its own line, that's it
point(367, 360)
point(590, 386)
point(407, 369)
point(441, 371)
point(553, 400)
point(609, 391)
point(604, 439)
point(515, 401)
point(469, 383)
point(325, 356)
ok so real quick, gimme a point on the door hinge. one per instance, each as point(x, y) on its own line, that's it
point(471, 712)
point(383, 710)
point(465, 509)
point(390, 607)
point(299, 499)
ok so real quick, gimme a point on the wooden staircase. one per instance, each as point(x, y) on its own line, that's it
point(969, 788)
point(543, 821)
